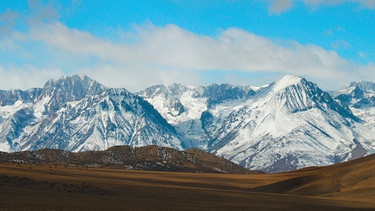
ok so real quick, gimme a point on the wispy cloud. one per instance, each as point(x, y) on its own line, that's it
point(172, 47)
point(280, 6)
point(7, 22)
point(40, 12)
point(340, 44)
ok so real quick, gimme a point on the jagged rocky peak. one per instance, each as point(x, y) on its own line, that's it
point(171, 90)
point(176, 89)
point(357, 94)
point(219, 93)
point(365, 86)
point(75, 86)
point(65, 89)
point(153, 90)
point(9, 97)
point(355, 90)
point(68, 89)
point(212, 94)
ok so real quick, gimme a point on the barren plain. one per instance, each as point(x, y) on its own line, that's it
point(349, 185)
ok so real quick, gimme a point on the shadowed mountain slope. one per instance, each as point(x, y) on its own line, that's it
point(349, 180)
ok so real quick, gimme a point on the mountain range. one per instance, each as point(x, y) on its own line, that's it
point(288, 124)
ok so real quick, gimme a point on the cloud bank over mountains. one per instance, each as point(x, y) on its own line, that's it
point(148, 54)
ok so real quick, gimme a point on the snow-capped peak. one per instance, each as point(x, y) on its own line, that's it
point(286, 81)
point(72, 82)
point(73, 87)
point(356, 89)
point(364, 85)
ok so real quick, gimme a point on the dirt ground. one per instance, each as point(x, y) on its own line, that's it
point(43, 187)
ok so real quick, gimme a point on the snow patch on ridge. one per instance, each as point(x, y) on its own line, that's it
point(286, 81)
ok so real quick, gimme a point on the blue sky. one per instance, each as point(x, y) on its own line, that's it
point(135, 44)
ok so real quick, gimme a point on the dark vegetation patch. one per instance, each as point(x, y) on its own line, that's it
point(24, 182)
point(153, 158)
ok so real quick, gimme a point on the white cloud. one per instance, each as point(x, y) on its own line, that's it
point(26, 77)
point(173, 48)
point(171, 54)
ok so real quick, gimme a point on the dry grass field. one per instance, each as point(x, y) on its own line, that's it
point(43, 187)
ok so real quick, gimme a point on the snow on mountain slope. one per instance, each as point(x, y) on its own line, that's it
point(185, 107)
point(78, 114)
point(286, 125)
point(8, 98)
point(360, 98)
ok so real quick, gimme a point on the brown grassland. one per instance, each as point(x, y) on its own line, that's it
point(349, 185)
